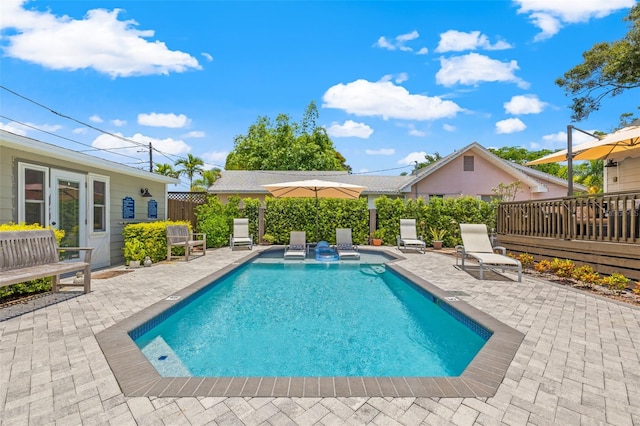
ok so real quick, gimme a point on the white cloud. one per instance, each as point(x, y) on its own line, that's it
point(524, 104)
point(195, 134)
point(412, 158)
point(448, 127)
point(99, 41)
point(474, 68)
point(559, 139)
point(349, 129)
point(399, 42)
point(79, 131)
point(510, 125)
point(171, 120)
point(14, 127)
point(207, 56)
point(458, 41)
point(119, 123)
point(167, 145)
point(415, 132)
point(386, 100)
point(96, 119)
point(422, 51)
point(215, 157)
point(383, 151)
point(402, 77)
point(550, 15)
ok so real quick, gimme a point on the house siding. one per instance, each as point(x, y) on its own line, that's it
point(624, 177)
point(121, 185)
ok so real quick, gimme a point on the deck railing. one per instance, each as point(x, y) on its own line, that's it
point(611, 217)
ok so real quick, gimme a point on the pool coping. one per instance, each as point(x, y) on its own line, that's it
point(136, 376)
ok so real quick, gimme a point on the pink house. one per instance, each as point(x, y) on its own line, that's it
point(471, 171)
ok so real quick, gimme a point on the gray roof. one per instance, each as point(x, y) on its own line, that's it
point(251, 181)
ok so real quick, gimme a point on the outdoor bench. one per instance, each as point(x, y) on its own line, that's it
point(181, 236)
point(32, 254)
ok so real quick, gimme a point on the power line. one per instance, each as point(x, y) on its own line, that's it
point(71, 140)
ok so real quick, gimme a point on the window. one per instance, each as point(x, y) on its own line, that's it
point(99, 199)
point(487, 198)
point(436, 196)
point(99, 213)
point(32, 194)
point(468, 163)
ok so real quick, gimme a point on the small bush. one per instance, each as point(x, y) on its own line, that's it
point(587, 275)
point(543, 266)
point(636, 289)
point(563, 268)
point(526, 259)
point(616, 282)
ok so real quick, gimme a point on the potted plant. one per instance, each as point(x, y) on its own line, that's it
point(437, 235)
point(376, 237)
point(134, 252)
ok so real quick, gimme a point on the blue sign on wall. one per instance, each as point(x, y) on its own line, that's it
point(152, 209)
point(128, 208)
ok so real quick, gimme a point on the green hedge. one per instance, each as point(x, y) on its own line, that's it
point(154, 237)
point(283, 215)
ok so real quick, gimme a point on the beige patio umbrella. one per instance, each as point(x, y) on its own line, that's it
point(626, 140)
point(314, 188)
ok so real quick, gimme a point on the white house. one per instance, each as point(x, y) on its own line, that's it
point(90, 198)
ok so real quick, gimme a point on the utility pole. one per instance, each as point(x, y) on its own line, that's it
point(150, 158)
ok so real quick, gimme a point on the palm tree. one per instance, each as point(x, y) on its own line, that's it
point(190, 166)
point(166, 170)
point(208, 177)
point(590, 174)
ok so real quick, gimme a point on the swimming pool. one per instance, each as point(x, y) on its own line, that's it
point(312, 319)
point(136, 375)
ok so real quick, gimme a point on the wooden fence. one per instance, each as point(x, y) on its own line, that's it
point(182, 205)
point(602, 230)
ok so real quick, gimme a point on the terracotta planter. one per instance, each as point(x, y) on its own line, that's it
point(437, 245)
point(376, 241)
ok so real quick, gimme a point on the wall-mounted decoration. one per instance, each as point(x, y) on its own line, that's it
point(152, 209)
point(128, 208)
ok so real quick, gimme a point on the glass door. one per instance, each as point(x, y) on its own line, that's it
point(68, 208)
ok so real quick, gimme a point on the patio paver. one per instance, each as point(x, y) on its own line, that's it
point(579, 362)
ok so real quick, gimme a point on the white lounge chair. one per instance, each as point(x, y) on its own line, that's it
point(476, 244)
point(344, 244)
point(297, 248)
point(408, 238)
point(241, 236)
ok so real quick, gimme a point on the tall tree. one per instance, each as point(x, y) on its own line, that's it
point(190, 166)
point(207, 178)
point(521, 155)
point(285, 145)
point(166, 170)
point(428, 160)
point(590, 174)
point(609, 69)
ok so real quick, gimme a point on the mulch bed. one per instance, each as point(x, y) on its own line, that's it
point(105, 275)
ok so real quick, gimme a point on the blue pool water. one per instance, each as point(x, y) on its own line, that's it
point(311, 319)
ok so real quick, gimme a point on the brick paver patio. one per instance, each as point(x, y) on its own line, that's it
point(579, 362)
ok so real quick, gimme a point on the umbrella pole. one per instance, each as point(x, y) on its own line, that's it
point(317, 208)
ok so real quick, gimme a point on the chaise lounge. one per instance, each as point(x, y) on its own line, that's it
point(344, 244)
point(476, 245)
point(408, 238)
point(297, 248)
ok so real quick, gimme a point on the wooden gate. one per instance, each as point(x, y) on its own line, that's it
point(182, 205)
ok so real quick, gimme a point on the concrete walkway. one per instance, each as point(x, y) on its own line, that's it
point(579, 362)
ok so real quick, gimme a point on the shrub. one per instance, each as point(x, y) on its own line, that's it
point(134, 249)
point(587, 275)
point(563, 268)
point(153, 236)
point(616, 282)
point(636, 289)
point(526, 259)
point(543, 266)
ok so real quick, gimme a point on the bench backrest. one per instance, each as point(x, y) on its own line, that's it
point(177, 233)
point(21, 249)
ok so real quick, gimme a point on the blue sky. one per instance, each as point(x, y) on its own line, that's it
point(392, 80)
